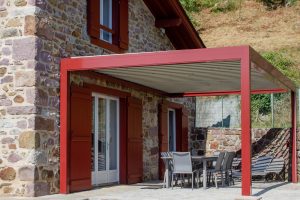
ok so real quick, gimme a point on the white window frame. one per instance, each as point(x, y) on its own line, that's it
point(108, 176)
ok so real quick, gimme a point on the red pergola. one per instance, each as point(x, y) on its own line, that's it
point(181, 73)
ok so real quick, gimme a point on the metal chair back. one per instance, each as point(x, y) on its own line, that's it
point(261, 164)
point(220, 161)
point(276, 166)
point(227, 164)
point(236, 164)
point(182, 162)
point(164, 155)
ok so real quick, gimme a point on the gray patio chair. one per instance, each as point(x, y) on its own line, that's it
point(216, 153)
point(276, 167)
point(236, 164)
point(217, 169)
point(182, 165)
point(259, 167)
point(227, 167)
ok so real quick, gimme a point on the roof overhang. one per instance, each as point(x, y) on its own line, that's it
point(170, 15)
point(196, 72)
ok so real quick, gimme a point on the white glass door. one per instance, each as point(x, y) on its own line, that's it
point(105, 137)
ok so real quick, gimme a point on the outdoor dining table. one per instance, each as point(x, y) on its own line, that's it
point(201, 159)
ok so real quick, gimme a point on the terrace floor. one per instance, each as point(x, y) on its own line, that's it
point(153, 191)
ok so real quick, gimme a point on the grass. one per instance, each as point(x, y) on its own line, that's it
point(285, 64)
point(214, 5)
point(193, 6)
point(220, 5)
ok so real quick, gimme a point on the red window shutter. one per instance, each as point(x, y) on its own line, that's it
point(163, 134)
point(80, 140)
point(179, 130)
point(93, 17)
point(123, 36)
point(184, 130)
point(123, 140)
point(134, 140)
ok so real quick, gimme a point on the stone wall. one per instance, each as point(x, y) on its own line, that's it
point(34, 36)
point(19, 137)
point(275, 142)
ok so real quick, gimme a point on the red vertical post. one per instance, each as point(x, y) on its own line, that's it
point(246, 122)
point(64, 95)
point(294, 137)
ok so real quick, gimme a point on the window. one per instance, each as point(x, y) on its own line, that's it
point(108, 24)
point(172, 129)
point(106, 20)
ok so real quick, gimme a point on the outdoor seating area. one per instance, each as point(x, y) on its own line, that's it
point(223, 168)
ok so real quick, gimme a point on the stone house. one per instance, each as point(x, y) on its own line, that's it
point(34, 36)
point(71, 118)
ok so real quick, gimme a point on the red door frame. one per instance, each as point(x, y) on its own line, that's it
point(179, 109)
point(245, 54)
point(178, 113)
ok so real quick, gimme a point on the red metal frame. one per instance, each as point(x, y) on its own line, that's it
point(294, 137)
point(64, 127)
point(223, 93)
point(246, 123)
point(243, 53)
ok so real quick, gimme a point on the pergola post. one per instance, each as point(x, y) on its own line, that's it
point(246, 123)
point(294, 137)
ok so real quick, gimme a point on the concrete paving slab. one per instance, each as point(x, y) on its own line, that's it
point(154, 191)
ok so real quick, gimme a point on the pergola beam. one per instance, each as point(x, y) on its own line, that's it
point(223, 93)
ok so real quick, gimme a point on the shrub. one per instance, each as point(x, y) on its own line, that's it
point(225, 6)
point(284, 64)
point(190, 5)
point(261, 103)
point(214, 5)
point(220, 5)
